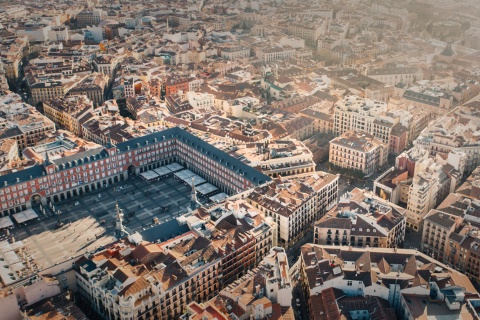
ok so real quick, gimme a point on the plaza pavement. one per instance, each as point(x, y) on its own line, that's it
point(84, 229)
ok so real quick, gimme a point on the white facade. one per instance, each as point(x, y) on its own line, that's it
point(200, 100)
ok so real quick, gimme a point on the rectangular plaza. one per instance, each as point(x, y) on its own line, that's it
point(89, 219)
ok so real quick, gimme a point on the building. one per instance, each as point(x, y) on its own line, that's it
point(90, 18)
point(295, 203)
point(158, 284)
point(61, 306)
point(393, 75)
point(12, 50)
point(173, 86)
point(277, 158)
point(94, 169)
point(168, 276)
point(68, 112)
point(62, 144)
point(22, 122)
point(450, 232)
point(234, 212)
point(234, 53)
point(431, 184)
point(451, 132)
point(308, 31)
point(8, 153)
point(266, 292)
point(370, 116)
point(361, 219)
point(363, 86)
point(274, 53)
point(107, 64)
point(358, 151)
point(53, 77)
point(402, 277)
point(430, 97)
point(93, 87)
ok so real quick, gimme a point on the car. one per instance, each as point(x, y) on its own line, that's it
point(77, 203)
point(298, 302)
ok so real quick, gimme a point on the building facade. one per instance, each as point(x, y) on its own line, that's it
point(361, 219)
point(358, 151)
point(295, 203)
point(94, 169)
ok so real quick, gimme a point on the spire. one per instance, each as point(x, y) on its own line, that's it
point(47, 159)
point(168, 27)
point(109, 141)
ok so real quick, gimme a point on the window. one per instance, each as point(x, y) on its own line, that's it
point(349, 283)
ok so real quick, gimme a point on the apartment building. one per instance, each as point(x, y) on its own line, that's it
point(362, 219)
point(131, 280)
point(407, 279)
point(22, 122)
point(363, 86)
point(200, 100)
point(295, 203)
point(54, 307)
point(450, 232)
point(266, 292)
point(93, 87)
point(12, 50)
point(3, 78)
point(49, 78)
point(451, 132)
point(8, 153)
point(434, 99)
point(310, 32)
point(394, 75)
point(67, 112)
point(155, 86)
point(234, 212)
point(370, 116)
point(106, 128)
point(163, 278)
point(431, 184)
point(411, 118)
point(358, 151)
point(278, 157)
point(234, 52)
point(173, 86)
point(59, 179)
point(107, 64)
point(274, 53)
point(90, 18)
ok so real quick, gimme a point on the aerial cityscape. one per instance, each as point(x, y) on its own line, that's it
point(240, 160)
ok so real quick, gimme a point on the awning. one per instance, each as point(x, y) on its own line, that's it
point(149, 175)
point(174, 167)
point(184, 175)
point(218, 197)
point(26, 215)
point(206, 189)
point(162, 171)
point(5, 222)
point(197, 180)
